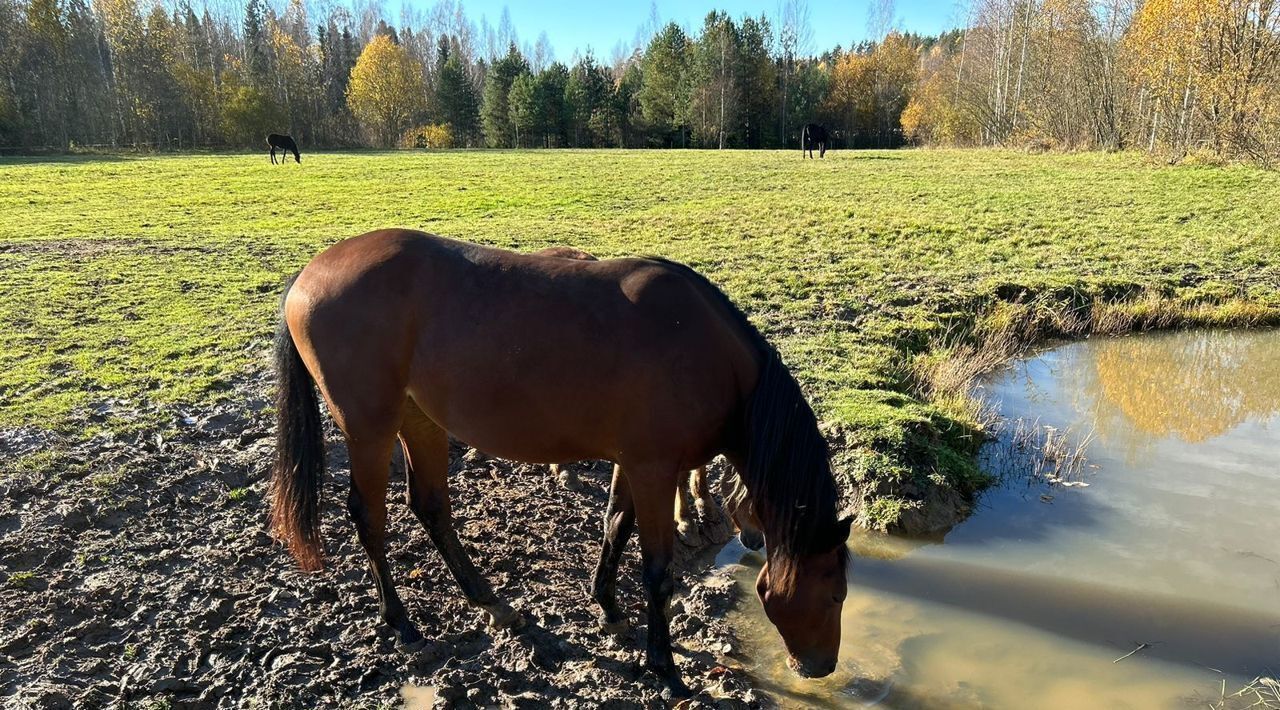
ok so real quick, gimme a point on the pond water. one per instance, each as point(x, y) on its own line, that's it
point(1171, 546)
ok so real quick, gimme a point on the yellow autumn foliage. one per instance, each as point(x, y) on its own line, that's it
point(386, 91)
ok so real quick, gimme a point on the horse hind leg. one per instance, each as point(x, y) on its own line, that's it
point(367, 505)
point(703, 522)
point(426, 453)
point(715, 524)
point(619, 522)
point(738, 506)
point(686, 518)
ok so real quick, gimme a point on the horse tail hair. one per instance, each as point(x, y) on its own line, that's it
point(299, 467)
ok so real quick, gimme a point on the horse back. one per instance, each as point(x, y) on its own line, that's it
point(538, 358)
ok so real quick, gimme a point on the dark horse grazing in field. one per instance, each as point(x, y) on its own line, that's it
point(642, 362)
point(286, 145)
point(812, 135)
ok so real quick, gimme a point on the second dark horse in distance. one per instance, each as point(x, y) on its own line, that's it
point(543, 359)
point(286, 146)
point(811, 136)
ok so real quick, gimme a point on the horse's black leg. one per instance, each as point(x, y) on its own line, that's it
point(273, 155)
point(656, 523)
point(619, 521)
point(426, 453)
point(367, 504)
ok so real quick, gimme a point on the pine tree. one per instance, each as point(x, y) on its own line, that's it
point(457, 101)
point(496, 110)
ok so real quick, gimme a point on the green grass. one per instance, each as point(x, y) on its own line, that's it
point(156, 278)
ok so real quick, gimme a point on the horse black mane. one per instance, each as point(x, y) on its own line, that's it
point(788, 469)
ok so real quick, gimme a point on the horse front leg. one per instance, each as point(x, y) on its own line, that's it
point(619, 521)
point(653, 490)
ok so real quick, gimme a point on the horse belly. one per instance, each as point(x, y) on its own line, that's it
point(536, 415)
point(574, 406)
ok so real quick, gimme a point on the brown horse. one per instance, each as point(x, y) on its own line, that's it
point(694, 482)
point(642, 362)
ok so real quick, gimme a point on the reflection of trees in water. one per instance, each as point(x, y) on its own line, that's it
point(1192, 386)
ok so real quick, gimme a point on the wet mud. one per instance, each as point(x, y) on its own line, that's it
point(138, 572)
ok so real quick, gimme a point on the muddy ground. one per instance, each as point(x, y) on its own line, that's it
point(140, 574)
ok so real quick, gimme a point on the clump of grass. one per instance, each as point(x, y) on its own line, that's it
point(235, 495)
point(22, 579)
point(107, 480)
point(1262, 693)
point(1031, 451)
point(1154, 311)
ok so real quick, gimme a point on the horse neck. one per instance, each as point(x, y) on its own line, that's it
point(784, 466)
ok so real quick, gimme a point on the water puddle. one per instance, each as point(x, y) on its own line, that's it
point(1156, 585)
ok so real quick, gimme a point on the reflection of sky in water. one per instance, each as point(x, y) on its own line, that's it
point(1176, 542)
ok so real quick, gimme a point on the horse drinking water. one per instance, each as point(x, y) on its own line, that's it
point(642, 362)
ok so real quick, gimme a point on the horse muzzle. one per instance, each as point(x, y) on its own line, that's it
point(811, 668)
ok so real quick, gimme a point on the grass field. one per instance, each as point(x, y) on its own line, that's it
point(156, 278)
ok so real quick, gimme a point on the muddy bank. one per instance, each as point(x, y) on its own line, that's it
point(140, 570)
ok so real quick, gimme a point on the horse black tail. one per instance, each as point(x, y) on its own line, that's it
point(299, 467)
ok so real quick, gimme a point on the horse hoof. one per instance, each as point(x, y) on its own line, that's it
point(408, 638)
point(617, 628)
point(677, 692)
point(690, 535)
point(412, 646)
point(673, 687)
point(505, 618)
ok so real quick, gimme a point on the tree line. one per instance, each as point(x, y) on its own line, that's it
point(1170, 76)
point(123, 73)
point(1174, 77)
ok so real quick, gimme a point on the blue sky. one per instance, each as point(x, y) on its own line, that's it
point(600, 24)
